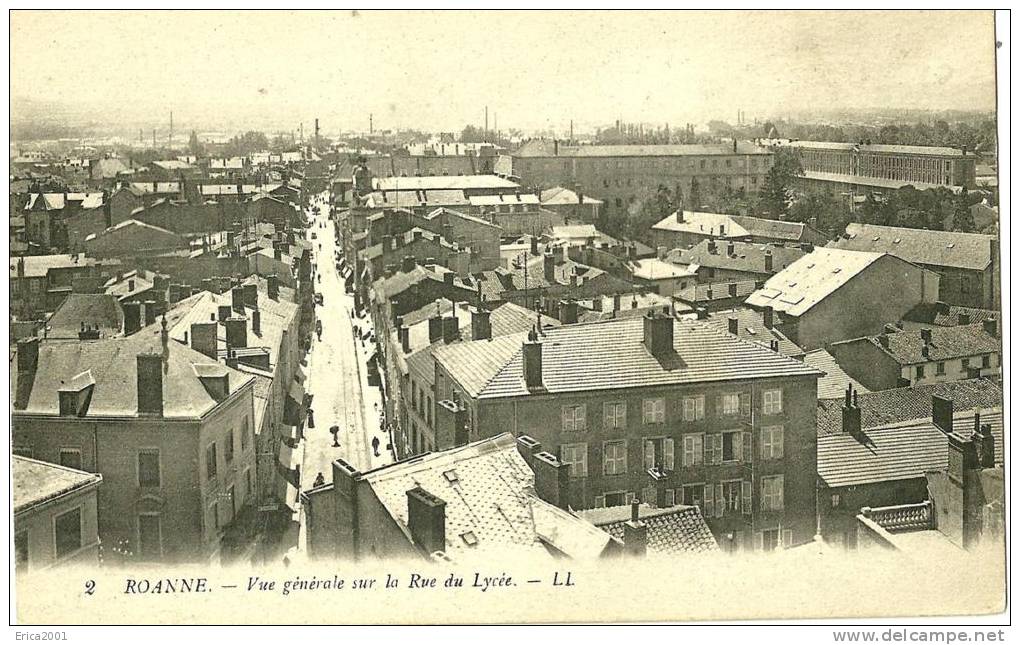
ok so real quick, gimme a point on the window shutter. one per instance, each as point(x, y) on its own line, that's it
point(600, 501)
point(748, 453)
point(738, 447)
point(568, 419)
point(720, 500)
point(758, 543)
point(720, 405)
point(717, 439)
point(709, 501)
point(787, 538)
point(778, 440)
point(649, 454)
point(709, 449)
point(745, 497)
point(670, 497)
point(608, 415)
point(745, 405)
point(762, 494)
point(579, 421)
point(667, 451)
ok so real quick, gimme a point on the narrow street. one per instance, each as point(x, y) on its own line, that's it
point(337, 371)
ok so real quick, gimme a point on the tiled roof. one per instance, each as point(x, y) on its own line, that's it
point(673, 530)
point(490, 503)
point(130, 283)
point(771, 228)
point(570, 231)
point(112, 363)
point(37, 481)
point(747, 256)
point(699, 293)
point(947, 343)
point(93, 309)
point(903, 404)
point(386, 288)
point(943, 315)
point(703, 224)
point(811, 279)
point(835, 381)
point(612, 355)
point(751, 327)
point(894, 452)
point(877, 147)
point(933, 248)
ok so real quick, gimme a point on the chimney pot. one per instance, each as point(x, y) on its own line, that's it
point(552, 479)
point(733, 325)
point(990, 326)
point(658, 334)
point(942, 413)
point(426, 520)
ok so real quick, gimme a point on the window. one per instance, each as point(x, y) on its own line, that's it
point(20, 550)
point(770, 539)
point(773, 402)
point(772, 493)
point(659, 453)
point(614, 415)
point(67, 532)
point(23, 451)
point(150, 537)
point(729, 404)
point(694, 495)
point(228, 451)
point(940, 368)
point(919, 371)
point(714, 500)
point(247, 483)
point(244, 434)
point(732, 446)
point(834, 501)
point(70, 458)
point(694, 408)
point(772, 442)
point(732, 491)
point(986, 360)
point(965, 363)
point(649, 496)
point(573, 418)
point(428, 411)
point(654, 410)
point(694, 447)
point(614, 458)
point(745, 497)
point(148, 468)
point(214, 510)
point(232, 496)
point(617, 498)
point(575, 455)
point(210, 461)
point(670, 497)
point(713, 449)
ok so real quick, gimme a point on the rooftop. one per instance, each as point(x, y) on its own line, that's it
point(93, 309)
point(708, 224)
point(36, 482)
point(751, 327)
point(878, 147)
point(543, 148)
point(443, 182)
point(38, 266)
point(835, 381)
point(903, 404)
point(875, 182)
point(746, 256)
point(705, 293)
point(491, 506)
point(656, 269)
point(972, 251)
point(673, 530)
point(772, 228)
point(558, 195)
point(944, 315)
point(611, 355)
point(811, 279)
point(908, 347)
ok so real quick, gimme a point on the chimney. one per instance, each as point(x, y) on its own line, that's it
point(942, 413)
point(768, 261)
point(712, 247)
point(132, 317)
point(481, 326)
point(251, 295)
point(851, 412)
point(203, 338)
point(733, 325)
point(926, 336)
point(616, 302)
point(963, 318)
point(407, 264)
point(990, 326)
point(149, 307)
point(924, 351)
point(679, 216)
point(731, 249)
point(435, 328)
point(768, 317)
point(28, 356)
point(256, 322)
point(534, 245)
point(883, 340)
point(273, 286)
point(426, 520)
point(984, 443)
point(237, 299)
point(528, 447)
point(150, 383)
point(223, 312)
point(549, 266)
point(734, 146)
point(732, 289)
point(552, 479)
point(451, 328)
point(635, 532)
point(658, 334)
point(568, 312)
point(405, 338)
point(237, 332)
point(701, 312)
point(532, 358)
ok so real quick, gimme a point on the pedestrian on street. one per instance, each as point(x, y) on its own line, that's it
point(335, 430)
point(375, 445)
point(319, 480)
point(311, 418)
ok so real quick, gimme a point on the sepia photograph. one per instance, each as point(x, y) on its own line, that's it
point(447, 317)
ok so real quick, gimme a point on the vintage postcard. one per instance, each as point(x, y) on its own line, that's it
point(444, 317)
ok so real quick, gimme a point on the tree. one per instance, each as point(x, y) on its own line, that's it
point(247, 143)
point(963, 219)
point(195, 146)
point(774, 198)
point(471, 134)
point(828, 213)
point(694, 201)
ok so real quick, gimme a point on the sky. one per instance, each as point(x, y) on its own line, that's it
point(438, 70)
